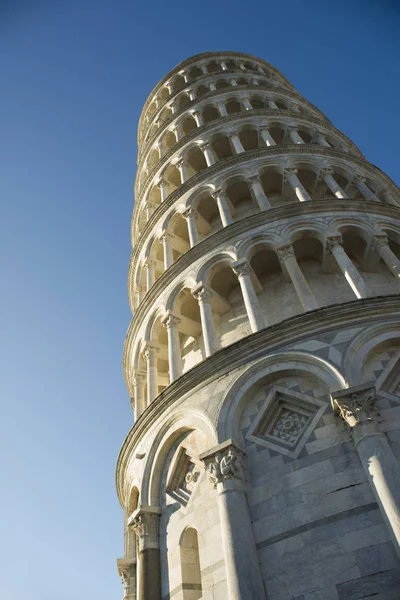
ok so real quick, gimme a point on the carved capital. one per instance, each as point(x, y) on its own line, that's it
point(189, 213)
point(149, 263)
point(161, 183)
point(145, 524)
point(138, 377)
point(170, 320)
point(357, 405)
point(254, 180)
point(241, 268)
point(325, 172)
point(288, 173)
point(285, 252)
point(218, 193)
point(359, 179)
point(165, 237)
point(224, 464)
point(332, 242)
point(127, 572)
point(150, 351)
point(379, 240)
point(202, 293)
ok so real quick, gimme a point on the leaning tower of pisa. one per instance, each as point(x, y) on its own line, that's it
point(263, 356)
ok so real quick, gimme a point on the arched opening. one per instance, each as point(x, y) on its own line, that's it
point(201, 91)
point(188, 124)
point(231, 65)
point(160, 338)
point(195, 160)
point(166, 114)
point(187, 309)
point(309, 254)
point(213, 67)
point(221, 146)
point(210, 220)
point(277, 132)
point(190, 565)
point(221, 84)
point(153, 158)
point(178, 83)
point(242, 81)
point(195, 73)
point(164, 93)
point(305, 135)
point(272, 183)
point(172, 176)
point(233, 106)
point(169, 140)
point(241, 198)
point(177, 227)
point(210, 113)
point(280, 104)
point(249, 138)
point(248, 66)
point(257, 102)
point(183, 100)
point(157, 256)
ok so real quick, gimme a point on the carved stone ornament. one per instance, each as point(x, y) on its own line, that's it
point(285, 252)
point(225, 465)
point(127, 572)
point(356, 407)
point(333, 242)
point(379, 240)
point(145, 525)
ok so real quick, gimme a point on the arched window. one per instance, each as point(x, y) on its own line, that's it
point(190, 565)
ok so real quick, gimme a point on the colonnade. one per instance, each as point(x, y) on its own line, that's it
point(243, 270)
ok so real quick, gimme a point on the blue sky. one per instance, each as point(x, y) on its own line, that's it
point(75, 75)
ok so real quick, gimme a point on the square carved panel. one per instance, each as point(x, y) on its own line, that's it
point(285, 421)
point(388, 384)
point(183, 478)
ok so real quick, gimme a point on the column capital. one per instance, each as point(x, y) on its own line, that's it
point(150, 350)
point(217, 193)
point(138, 376)
point(333, 241)
point(161, 183)
point(169, 320)
point(202, 292)
point(149, 263)
point(326, 171)
point(292, 128)
point(145, 523)
point(285, 252)
point(127, 572)
point(356, 405)
point(287, 173)
point(189, 212)
point(205, 145)
point(225, 466)
point(379, 240)
point(241, 267)
point(165, 236)
point(196, 113)
point(253, 179)
point(360, 179)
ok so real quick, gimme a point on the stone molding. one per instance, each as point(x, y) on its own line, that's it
point(356, 405)
point(219, 167)
point(256, 345)
point(224, 464)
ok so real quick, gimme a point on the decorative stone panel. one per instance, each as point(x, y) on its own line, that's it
point(183, 478)
point(286, 421)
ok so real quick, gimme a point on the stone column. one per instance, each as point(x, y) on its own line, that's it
point(191, 94)
point(290, 175)
point(246, 103)
point(294, 135)
point(236, 143)
point(127, 572)
point(233, 82)
point(168, 256)
point(267, 137)
point(356, 406)
point(223, 207)
point(320, 139)
point(223, 65)
point(381, 243)
point(258, 192)
point(145, 522)
point(203, 296)
point(169, 87)
point(198, 118)
point(208, 154)
point(178, 131)
point(352, 276)
point(242, 270)
point(185, 76)
point(287, 258)
point(224, 466)
point(293, 107)
point(272, 104)
point(163, 185)
point(149, 208)
point(138, 393)
point(171, 323)
point(211, 86)
point(150, 267)
point(222, 109)
point(150, 353)
point(327, 176)
point(364, 189)
point(204, 69)
point(190, 215)
point(183, 170)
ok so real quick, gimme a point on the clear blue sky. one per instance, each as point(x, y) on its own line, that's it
point(74, 76)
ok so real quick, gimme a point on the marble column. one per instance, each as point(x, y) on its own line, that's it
point(362, 187)
point(352, 276)
point(198, 118)
point(327, 176)
point(381, 243)
point(223, 65)
point(258, 192)
point(294, 135)
point(246, 103)
point(191, 94)
point(290, 175)
point(272, 104)
point(233, 82)
point(166, 240)
point(208, 154)
point(223, 206)
point(183, 170)
point(203, 69)
point(222, 109)
point(190, 215)
point(242, 270)
point(145, 523)
point(150, 267)
point(320, 139)
point(212, 87)
point(225, 469)
point(203, 295)
point(171, 323)
point(267, 137)
point(236, 143)
point(149, 208)
point(288, 260)
point(150, 353)
point(163, 186)
point(138, 380)
point(127, 572)
point(356, 406)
